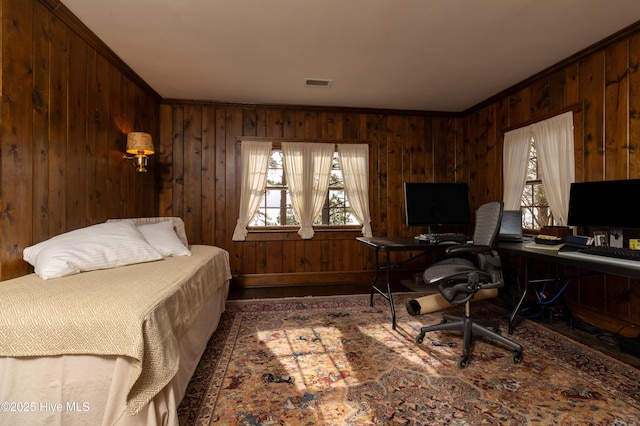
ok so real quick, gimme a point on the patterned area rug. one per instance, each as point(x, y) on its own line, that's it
point(336, 361)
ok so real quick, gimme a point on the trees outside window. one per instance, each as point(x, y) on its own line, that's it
point(275, 207)
point(536, 212)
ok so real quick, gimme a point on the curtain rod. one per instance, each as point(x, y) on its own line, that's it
point(574, 108)
point(310, 140)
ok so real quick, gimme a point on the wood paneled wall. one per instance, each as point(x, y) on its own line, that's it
point(68, 102)
point(200, 181)
point(67, 105)
point(200, 176)
point(604, 83)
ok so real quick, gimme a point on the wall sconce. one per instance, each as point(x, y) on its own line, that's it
point(140, 145)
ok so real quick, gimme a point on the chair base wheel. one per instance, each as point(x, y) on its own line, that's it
point(419, 338)
point(464, 361)
point(517, 357)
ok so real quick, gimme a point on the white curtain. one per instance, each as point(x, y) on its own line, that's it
point(255, 164)
point(554, 143)
point(515, 155)
point(354, 162)
point(307, 168)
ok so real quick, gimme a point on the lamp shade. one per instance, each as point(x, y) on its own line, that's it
point(139, 143)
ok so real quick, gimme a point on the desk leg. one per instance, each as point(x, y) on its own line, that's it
point(374, 288)
point(524, 294)
point(390, 296)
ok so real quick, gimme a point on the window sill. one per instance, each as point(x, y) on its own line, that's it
point(285, 233)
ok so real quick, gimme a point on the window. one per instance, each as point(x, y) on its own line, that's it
point(538, 168)
point(275, 206)
point(315, 176)
point(336, 210)
point(536, 212)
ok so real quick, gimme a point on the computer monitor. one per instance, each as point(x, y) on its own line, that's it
point(604, 204)
point(433, 204)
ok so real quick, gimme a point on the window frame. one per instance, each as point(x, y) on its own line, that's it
point(532, 184)
point(270, 233)
point(576, 110)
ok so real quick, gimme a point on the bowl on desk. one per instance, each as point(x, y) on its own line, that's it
point(549, 240)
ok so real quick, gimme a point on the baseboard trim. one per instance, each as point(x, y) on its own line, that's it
point(301, 278)
point(605, 321)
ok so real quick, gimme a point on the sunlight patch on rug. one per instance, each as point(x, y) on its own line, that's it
point(336, 360)
point(293, 348)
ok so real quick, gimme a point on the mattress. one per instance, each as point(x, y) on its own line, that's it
point(69, 355)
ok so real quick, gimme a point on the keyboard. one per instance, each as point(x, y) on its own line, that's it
point(579, 254)
point(442, 237)
point(614, 252)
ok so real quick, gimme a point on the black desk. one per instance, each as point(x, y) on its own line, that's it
point(627, 268)
point(387, 245)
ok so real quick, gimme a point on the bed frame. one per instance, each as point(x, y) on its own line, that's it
point(104, 388)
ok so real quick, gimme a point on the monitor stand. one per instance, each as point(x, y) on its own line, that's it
point(434, 229)
point(431, 229)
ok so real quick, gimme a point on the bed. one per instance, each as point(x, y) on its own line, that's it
point(111, 346)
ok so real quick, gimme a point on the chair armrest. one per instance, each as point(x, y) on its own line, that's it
point(467, 248)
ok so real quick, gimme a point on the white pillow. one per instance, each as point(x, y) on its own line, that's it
point(102, 246)
point(178, 224)
point(162, 237)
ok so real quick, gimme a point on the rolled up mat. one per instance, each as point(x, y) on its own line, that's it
point(435, 302)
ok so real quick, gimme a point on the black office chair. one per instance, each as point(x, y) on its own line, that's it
point(458, 279)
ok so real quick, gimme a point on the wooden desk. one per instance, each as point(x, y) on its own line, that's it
point(386, 245)
point(627, 268)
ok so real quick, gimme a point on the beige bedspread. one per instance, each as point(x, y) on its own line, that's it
point(137, 311)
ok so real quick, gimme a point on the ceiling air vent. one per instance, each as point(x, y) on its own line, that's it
point(317, 82)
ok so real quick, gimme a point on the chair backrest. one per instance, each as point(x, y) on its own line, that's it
point(458, 284)
point(488, 219)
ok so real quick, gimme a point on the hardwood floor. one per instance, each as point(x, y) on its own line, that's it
point(309, 290)
point(589, 335)
point(584, 333)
